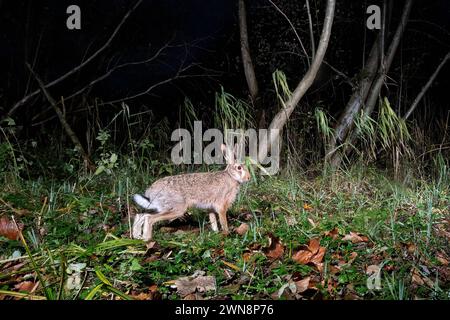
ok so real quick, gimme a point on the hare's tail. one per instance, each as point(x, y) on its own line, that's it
point(145, 202)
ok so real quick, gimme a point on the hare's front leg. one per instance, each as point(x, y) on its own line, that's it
point(223, 219)
point(213, 221)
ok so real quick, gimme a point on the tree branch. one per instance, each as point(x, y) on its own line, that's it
point(63, 121)
point(247, 62)
point(77, 68)
point(425, 87)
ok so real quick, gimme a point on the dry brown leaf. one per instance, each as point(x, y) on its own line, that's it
point(27, 286)
point(142, 296)
point(188, 285)
point(411, 247)
point(302, 256)
point(420, 280)
point(275, 249)
point(374, 280)
point(442, 259)
point(354, 237)
point(314, 246)
point(353, 256)
point(150, 245)
point(335, 269)
point(416, 278)
point(242, 229)
point(313, 254)
point(247, 256)
point(302, 285)
point(8, 228)
point(332, 233)
point(317, 258)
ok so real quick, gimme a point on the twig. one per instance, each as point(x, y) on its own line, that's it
point(77, 68)
point(425, 87)
point(63, 121)
point(293, 29)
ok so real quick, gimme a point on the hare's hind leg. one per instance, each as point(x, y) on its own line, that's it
point(139, 230)
point(165, 215)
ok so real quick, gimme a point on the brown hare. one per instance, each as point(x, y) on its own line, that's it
point(169, 198)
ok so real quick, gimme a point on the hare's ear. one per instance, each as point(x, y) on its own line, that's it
point(227, 153)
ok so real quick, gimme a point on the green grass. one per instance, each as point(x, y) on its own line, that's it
point(86, 220)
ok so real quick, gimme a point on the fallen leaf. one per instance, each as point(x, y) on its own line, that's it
point(247, 256)
point(374, 279)
point(353, 256)
point(313, 253)
point(27, 286)
point(275, 249)
point(420, 280)
point(195, 283)
point(314, 246)
point(302, 256)
point(8, 228)
point(411, 247)
point(291, 221)
point(355, 238)
point(443, 260)
point(242, 229)
point(416, 278)
point(303, 284)
point(332, 233)
point(150, 245)
point(143, 296)
point(317, 258)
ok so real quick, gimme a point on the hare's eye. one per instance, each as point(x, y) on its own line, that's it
point(239, 167)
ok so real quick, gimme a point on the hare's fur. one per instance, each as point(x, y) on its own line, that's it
point(170, 197)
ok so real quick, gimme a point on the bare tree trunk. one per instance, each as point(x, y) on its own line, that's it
point(88, 163)
point(283, 115)
point(354, 105)
point(425, 88)
point(245, 51)
point(378, 82)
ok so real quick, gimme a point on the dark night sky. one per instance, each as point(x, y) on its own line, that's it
point(204, 32)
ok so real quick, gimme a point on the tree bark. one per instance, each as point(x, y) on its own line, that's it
point(377, 83)
point(247, 62)
point(283, 115)
point(354, 105)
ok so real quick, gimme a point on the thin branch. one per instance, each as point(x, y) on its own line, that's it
point(293, 29)
point(425, 87)
point(63, 121)
point(77, 68)
point(110, 71)
point(311, 33)
point(178, 75)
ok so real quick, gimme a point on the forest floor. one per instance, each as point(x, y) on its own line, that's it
point(354, 235)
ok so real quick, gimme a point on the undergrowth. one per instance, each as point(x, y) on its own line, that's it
point(85, 221)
